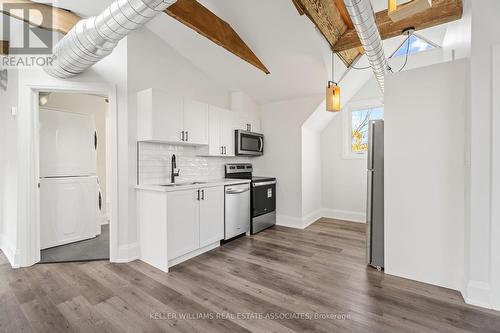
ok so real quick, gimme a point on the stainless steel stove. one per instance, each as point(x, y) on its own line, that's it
point(263, 196)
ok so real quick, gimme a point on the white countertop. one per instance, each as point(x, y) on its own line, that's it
point(204, 183)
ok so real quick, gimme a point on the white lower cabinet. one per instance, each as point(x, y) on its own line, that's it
point(178, 225)
point(183, 219)
point(211, 215)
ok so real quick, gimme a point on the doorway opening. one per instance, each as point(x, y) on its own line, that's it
point(74, 195)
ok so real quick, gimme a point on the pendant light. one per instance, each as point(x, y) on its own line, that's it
point(333, 92)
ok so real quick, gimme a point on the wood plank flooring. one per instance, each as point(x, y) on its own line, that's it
point(281, 280)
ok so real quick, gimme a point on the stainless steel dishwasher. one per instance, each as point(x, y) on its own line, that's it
point(237, 210)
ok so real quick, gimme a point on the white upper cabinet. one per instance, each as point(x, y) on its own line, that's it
point(221, 128)
point(195, 122)
point(248, 122)
point(164, 117)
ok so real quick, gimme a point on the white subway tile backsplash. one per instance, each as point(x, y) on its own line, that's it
point(154, 164)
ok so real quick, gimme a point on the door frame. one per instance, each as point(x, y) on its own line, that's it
point(28, 230)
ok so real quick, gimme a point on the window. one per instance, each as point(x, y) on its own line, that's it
point(415, 44)
point(359, 127)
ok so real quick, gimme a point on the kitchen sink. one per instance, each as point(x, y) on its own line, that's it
point(183, 184)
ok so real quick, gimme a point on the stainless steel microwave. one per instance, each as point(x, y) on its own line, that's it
point(249, 143)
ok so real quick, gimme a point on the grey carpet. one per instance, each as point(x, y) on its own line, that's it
point(91, 249)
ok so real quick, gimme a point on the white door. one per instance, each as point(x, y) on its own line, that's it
point(182, 223)
point(67, 144)
point(228, 132)
point(211, 215)
point(68, 210)
point(196, 122)
point(167, 117)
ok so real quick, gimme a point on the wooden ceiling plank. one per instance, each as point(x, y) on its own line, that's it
point(442, 11)
point(330, 21)
point(407, 10)
point(299, 7)
point(61, 19)
point(344, 13)
point(200, 19)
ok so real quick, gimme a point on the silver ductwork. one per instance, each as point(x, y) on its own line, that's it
point(363, 19)
point(94, 38)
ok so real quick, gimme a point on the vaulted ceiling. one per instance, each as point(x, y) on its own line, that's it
point(289, 45)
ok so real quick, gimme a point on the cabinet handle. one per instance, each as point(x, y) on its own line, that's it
point(182, 138)
point(221, 150)
point(187, 136)
point(198, 195)
point(224, 148)
point(202, 194)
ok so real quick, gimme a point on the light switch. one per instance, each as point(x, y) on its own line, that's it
point(13, 111)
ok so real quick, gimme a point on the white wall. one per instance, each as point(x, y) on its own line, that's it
point(482, 253)
point(97, 107)
point(344, 179)
point(8, 167)
point(425, 173)
point(282, 126)
point(311, 175)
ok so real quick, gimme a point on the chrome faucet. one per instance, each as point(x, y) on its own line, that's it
point(175, 172)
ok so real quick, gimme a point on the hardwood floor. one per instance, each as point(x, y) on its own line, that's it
point(270, 282)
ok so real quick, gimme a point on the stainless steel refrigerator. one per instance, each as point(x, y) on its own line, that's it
point(375, 200)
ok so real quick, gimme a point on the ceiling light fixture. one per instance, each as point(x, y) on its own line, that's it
point(333, 92)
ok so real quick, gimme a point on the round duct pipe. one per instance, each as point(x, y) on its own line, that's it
point(363, 19)
point(94, 38)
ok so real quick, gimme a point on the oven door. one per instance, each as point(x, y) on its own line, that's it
point(263, 198)
point(249, 143)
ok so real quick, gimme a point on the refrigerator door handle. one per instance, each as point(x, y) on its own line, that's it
point(95, 140)
point(371, 138)
point(369, 216)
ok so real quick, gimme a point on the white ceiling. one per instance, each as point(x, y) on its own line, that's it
point(288, 44)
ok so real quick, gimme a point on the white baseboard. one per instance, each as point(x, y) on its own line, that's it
point(9, 251)
point(478, 293)
point(307, 220)
point(289, 221)
point(127, 253)
point(344, 215)
point(297, 222)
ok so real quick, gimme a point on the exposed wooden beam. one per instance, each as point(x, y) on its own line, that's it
point(344, 13)
point(4, 47)
point(407, 10)
point(200, 19)
point(329, 20)
point(442, 11)
point(41, 15)
point(299, 7)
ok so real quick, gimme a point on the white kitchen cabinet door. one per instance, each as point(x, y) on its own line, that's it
point(248, 122)
point(196, 122)
point(211, 215)
point(160, 116)
point(183, 234)
point(227, 135)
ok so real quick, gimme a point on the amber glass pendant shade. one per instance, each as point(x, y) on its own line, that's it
point(332, 97)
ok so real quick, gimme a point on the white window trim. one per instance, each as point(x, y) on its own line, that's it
point(347, 154)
